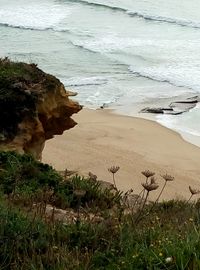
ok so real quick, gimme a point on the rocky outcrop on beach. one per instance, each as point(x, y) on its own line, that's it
point(34, 106)
point(174, 108)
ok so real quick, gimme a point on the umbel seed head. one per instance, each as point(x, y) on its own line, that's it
point(167, 177)
point(194, 191)
point(114, 169)
point(148, 173)
point(150, 187)
point(153, 180)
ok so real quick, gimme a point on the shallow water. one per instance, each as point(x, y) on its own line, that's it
point(118, 52)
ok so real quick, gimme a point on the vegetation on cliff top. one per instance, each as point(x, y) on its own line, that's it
point(49, 221)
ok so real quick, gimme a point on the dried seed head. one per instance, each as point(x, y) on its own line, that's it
point(92, 176)
point(194, 191)
point(150, 187)
point(114, 169)
point(167, 177)
point(79, 192)
point(153, 180)
point(148, 173)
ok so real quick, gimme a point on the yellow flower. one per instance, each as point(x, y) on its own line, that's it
point(160, 254)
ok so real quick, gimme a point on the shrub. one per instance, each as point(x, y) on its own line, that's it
point(93, 197)
point(23, 172)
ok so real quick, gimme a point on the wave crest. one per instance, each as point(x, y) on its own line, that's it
point(143, 15)
point(164, 79)
point(155, 18)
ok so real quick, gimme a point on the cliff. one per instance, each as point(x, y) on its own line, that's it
point(34, 106)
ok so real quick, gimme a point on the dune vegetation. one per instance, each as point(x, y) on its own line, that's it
point(51, 220)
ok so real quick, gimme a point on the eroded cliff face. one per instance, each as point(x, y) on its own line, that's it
point(34, 106)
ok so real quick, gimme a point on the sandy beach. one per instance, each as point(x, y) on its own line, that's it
point(102, 139)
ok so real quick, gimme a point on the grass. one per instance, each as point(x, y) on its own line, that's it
point(166, 237)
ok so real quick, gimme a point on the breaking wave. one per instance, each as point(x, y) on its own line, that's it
point(143, 15)
point(159, 78)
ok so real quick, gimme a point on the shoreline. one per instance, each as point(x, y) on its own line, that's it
point(187, 136)
point(103, 139)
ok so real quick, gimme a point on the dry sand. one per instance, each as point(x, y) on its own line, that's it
point(102, 139)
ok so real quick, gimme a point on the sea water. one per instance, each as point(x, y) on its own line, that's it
point(115, 52)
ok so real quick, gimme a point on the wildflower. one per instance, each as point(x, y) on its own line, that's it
point(167, 177)
point(194, 191)
point(114, 169)
point(168, 259)
point(160, 254)
point(148, 173)
point(150, 187)
point(191, 219)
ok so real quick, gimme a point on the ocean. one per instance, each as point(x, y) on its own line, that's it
point(121, 53)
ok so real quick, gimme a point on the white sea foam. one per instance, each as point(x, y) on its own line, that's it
point(184, 123)
point(111, 50)
point(84, 81)
point(35, 16)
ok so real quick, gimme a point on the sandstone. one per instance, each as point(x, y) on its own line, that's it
point(34, 106)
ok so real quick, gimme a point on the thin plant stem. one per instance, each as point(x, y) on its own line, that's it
point(144, 190)
point(161, 191)
point(190, 198)
point(141, 210)
point(138, 198)
point(142, 196)
point(114, 181)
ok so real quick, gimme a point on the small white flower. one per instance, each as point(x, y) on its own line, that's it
point(168, 259)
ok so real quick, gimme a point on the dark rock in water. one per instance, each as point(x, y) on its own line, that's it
point(152, 110)
point(103, 106)
point(175, 108)
point(155, 110)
